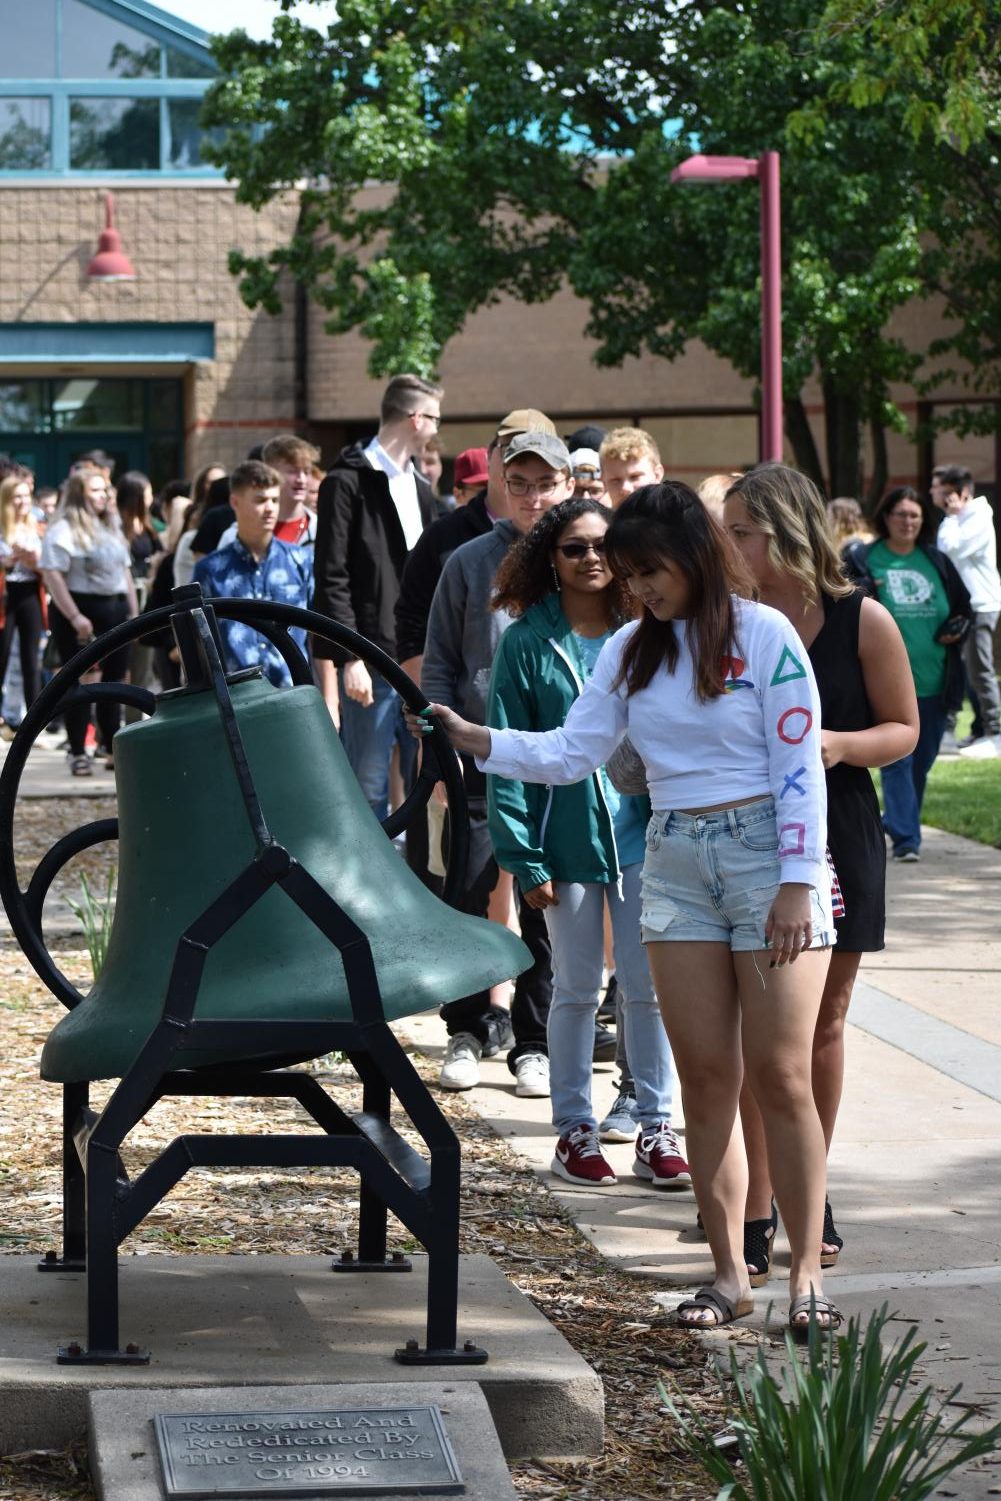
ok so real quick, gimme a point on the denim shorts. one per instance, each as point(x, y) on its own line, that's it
point(712, 878)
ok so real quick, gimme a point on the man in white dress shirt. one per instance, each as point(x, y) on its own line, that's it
point(371, 509)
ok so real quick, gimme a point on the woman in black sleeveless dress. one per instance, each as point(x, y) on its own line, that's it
point(776, 518)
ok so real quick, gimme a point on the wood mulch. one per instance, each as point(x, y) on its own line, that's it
point(507, 1213)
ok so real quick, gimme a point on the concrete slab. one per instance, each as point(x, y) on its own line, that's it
point(280, 1321)
point(123, 1451)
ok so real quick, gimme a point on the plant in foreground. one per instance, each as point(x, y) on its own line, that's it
point(95, 915)
point(840, 1422)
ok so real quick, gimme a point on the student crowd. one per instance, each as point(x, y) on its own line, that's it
point(666, 706)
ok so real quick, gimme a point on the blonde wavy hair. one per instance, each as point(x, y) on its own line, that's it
point(8, 485)
point(74, 508)
point(625, 443)
point(789, 509)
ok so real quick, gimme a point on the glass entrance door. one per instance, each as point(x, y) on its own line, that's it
point(47, 423)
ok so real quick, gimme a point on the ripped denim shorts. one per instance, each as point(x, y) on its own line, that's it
point(712, 878)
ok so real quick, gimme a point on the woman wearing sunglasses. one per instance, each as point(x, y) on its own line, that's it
point(572, 848)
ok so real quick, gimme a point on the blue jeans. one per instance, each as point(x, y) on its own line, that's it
point(712, 878)
point(576, 932)
point(904, 781)
point(369, 735)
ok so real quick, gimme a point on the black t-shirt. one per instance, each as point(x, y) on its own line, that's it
point(214, 523)
point(142, 547)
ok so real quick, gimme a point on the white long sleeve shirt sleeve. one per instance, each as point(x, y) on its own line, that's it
point(969, 539)
point(761, 736)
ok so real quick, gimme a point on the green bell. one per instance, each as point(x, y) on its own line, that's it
point(184, 836)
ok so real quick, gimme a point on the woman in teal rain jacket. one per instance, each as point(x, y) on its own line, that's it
point(574, 848)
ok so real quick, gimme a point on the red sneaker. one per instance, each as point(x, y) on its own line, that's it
point(659, 1159)
point(579, 1159)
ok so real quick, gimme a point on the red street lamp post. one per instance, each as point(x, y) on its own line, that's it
point(766, 169)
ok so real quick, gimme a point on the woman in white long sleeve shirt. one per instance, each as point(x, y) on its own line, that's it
point(718, 698)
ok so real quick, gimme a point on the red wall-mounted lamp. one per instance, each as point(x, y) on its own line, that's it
point(110, 263)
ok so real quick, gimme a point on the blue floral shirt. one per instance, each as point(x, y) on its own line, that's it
point(285, 574)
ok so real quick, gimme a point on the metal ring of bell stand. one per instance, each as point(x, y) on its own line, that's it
point(272, 620)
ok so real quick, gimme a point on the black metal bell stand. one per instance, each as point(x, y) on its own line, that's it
point(101, 1205)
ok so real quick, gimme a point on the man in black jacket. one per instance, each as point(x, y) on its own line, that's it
point(371, 510)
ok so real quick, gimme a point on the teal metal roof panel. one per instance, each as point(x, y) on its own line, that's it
point(122, 343)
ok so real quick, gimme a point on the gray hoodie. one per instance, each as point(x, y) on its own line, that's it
point(463, 631)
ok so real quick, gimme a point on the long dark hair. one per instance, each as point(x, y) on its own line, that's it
point(891, 500)
point(526, 574)
point(668, 523)
point(130, 498)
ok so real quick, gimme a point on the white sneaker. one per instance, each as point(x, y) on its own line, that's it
point(460, 1067)
point(532, 1073)
point(987, 748)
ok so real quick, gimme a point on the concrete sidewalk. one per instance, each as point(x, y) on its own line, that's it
point(915, 1173)
point(48, 774)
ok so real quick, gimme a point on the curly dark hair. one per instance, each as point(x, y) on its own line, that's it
point(669, 523)
point(526, 574)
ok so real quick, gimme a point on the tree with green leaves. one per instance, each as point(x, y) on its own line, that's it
point(524, 143)
point(945, 60)
point(437, 103)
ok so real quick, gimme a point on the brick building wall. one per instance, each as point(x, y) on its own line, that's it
point(266, 376)
point(700, 410)
point(177, 237)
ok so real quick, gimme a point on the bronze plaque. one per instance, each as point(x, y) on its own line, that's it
point(358, 1451)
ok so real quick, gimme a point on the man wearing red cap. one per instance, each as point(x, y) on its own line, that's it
point(469, 474)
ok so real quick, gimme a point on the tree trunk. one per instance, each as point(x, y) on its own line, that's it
point(799, 433)
point(843, 420)
point(880, 464)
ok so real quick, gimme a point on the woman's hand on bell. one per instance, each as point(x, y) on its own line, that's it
point(474, 739)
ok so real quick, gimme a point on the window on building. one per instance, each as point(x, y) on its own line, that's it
point(29, 45)
point(48, 423)
point(97, 46)
point(115, 135)
point(69, 100)
point(184, 65)
point(24, 407)
point(92, 404)
point(25, 135)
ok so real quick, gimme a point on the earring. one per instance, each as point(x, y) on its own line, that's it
point(556, 578)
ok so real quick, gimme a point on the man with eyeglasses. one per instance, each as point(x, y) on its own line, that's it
point(462, 637)
point(372, 508)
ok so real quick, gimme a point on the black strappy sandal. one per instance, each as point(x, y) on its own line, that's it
point(830, 1237)
point(758, 1237)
